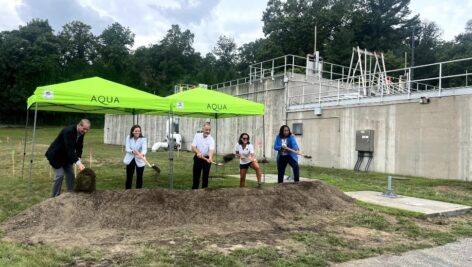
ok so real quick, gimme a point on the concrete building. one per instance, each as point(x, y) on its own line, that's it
point(422, 126)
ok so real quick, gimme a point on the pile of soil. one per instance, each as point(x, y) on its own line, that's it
point(121, 211)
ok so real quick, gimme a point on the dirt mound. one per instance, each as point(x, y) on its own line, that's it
point(161, 208)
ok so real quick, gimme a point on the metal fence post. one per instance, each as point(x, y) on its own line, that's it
point(409, 91)
point(359, 92)
point(285, 66)
point(319, 93)
point(440, 78)
point(303, 96)
point(338, 91)
point(331, 73)
point(409, 79)
point(293, 65)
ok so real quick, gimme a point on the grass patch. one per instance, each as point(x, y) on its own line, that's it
point(390, 211)
point(320, 248)
point(257, 255)
point(463, 228)
point(372, 220)
point(14, 254)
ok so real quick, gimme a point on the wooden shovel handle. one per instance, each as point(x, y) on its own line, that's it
point(145, 160)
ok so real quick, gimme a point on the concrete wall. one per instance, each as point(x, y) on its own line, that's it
point(432, 140)
point(270, 92)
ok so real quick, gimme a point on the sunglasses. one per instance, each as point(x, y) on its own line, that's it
point(245, 138)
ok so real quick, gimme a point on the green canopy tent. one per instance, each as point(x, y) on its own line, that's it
point(204, 103)
point(91, 95)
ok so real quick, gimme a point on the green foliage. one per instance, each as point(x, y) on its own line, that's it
point(15, 254)
point(34, 55)
point(373, 220)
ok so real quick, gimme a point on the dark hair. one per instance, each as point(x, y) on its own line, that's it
point(132, 130)
point(240, 141)
point(281, 131)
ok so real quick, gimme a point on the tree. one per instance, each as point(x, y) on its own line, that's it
point(172, 61)
point(78, 45)
point(291, 23)
point(460, 47)
point(178, 41)
point(376, 25)
point(206, 70)
point(28, 57)
point(114, 50)
point(257, 51)
point(383, 25)
point(427, 43)
point(225, 52)
point(468, 26)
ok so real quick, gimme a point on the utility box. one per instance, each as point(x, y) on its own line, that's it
point(365, 140)
point(297, 128)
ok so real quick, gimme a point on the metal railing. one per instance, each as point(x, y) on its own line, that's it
point(327, 82)
point(229, 83)
point(288, 66)
point(431, 79)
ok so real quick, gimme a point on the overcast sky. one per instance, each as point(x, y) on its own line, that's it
point(207, 19)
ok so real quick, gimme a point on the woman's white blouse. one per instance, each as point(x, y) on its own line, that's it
point(140, 145)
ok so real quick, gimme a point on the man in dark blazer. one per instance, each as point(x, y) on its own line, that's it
point(65, 151)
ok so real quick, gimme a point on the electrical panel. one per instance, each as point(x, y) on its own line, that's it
point(365, 140)
point(297, 128)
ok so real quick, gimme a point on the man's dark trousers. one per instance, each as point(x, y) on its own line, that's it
point(200, 165)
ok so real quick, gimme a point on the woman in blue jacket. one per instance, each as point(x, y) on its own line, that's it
point(136, 149)
point(283, 142)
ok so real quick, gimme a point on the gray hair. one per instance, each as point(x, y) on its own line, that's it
point(84, 121)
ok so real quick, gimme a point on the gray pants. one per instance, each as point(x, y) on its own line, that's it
point(59, 176)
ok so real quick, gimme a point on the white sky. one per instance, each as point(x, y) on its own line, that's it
point(207, 19)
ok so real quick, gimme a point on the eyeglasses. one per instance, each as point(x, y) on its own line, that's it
point(245, 138)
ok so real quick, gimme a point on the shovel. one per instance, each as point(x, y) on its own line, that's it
point(153, 166)
point(297, 152)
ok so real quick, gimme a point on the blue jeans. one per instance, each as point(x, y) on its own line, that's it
point(282, 162)
point(59, 176)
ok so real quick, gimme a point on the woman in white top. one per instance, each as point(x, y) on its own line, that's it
point(136, 148)
point(245, 151)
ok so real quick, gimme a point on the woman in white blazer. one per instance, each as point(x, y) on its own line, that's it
point(136, 149)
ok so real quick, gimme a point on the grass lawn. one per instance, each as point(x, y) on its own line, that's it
point(400, 230)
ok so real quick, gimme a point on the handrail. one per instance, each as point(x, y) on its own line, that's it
point(433, 78)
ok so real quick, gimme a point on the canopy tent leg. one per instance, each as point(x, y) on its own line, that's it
point(32, 148)
point(24, 145)
point(216, 145)
point(263, 147)
point(170, 151)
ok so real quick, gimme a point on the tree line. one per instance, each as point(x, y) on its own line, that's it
point(35, 55)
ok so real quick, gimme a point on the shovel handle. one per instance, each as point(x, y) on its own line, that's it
point(296, 152)
point(145, 160)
